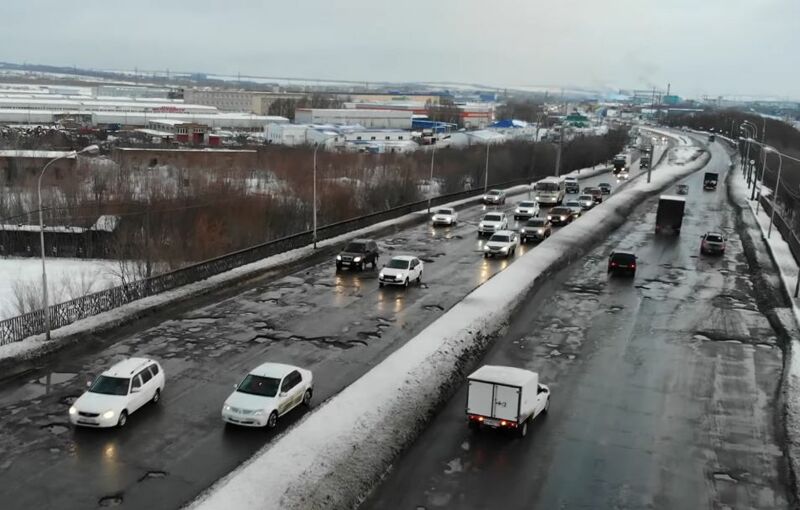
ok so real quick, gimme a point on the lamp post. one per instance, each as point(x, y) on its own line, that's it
point(749, 125)
point(314, 188)
point(486, 170)
point(430, 182)
point(91, 149)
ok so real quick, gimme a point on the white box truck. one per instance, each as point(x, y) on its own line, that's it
point(505, 398)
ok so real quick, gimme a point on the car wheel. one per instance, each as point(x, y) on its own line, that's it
point(156, 396)
point(272, 421)
point(380, 285)
point(361, 267)
point(123, 419)
point(338, 267)
point(405, 284)
point(474, 426)
point(307, 398)
point(523, 430)
point(419, 279)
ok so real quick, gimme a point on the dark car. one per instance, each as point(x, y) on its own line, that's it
point(596, 194)
point(605, 188)
point(358, 254)
point(712, 243)
point(560, 215)
point(620, 262)
point(535, 229)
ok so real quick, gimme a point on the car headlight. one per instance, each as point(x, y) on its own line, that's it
point(485, 197)
point(380, 275)
point(504, 249)
point(338, 257)
point(108, 415)
point(550, 218)
point(540, 231)
point(357, 259)
point(563, 218)
point(73, 411)
point(486, 248)
point(258, 413)
point(523, 230)
point(226, 407)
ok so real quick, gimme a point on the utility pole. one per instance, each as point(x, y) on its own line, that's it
point(486, 170)
point(560, 148)
point(430, 182)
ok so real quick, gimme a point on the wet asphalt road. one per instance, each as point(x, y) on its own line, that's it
point(339, 326)
point(663, 388)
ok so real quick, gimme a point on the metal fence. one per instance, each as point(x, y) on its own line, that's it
point(63, 314)
point(782, 226)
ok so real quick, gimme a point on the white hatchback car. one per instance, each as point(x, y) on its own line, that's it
point(445, 216)
point(401, 270)
point(268, 392)
point(118, 392)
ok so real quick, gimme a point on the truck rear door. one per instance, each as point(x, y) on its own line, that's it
point(480, 398)
point(506, 403)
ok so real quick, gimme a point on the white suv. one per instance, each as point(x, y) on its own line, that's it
point(118, 392)
point(492, 222)
point(401, 270)
point(526, 209)
point(503, 243)
point(268, 392)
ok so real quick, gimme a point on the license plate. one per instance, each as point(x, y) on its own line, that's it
point(88, 422)
point(492, 423)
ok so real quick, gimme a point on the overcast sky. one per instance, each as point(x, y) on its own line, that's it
point(714, 47)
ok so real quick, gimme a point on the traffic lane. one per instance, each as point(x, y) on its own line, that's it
point(663, 389)
point(339, 325)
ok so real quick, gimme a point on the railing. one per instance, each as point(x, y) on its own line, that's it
point(783, 227)
point(63, 314)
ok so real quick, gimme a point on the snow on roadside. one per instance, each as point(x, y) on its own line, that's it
point(339, 451)
point(789, 271)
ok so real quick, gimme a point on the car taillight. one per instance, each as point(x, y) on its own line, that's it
point(614, 264)
point(633, 266)
point(503, 423)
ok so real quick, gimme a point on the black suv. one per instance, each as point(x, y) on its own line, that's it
point(622, 262)
point(358, 254)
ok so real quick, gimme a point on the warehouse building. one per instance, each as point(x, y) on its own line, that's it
point(375, 119)
point(247, 101)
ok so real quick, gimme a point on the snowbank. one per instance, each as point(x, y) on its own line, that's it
point(789, 272)
point(337, 453)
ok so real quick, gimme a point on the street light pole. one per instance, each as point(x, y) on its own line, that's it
point(93, 149)
point(314, 199)
point(560, 148)
point(486, 170)
point(430, 182)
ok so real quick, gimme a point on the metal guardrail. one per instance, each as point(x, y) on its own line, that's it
point(784, 229)
point(63, 314)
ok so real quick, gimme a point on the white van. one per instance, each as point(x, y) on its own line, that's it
point(505, 398)
point(550, 190)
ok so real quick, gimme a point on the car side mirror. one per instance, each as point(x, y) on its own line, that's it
point(135, 390)
point(88, 384)
point(384, 265)
point(282, 394)
point(235, 386)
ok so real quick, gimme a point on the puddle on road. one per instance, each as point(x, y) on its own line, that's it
point(55, 428)
point(725, 477)
point(109, 501)
point(153, 474)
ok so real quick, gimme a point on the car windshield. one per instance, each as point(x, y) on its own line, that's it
point(536, 223)
point(573, 204)
point(499, 238)
point(258, 385)
point(605, 185)
point(585, 197)
point(356, 247)
point(492, 217)
point(546, 186)
point(398, 264)
point(110, 385)
point(559, 210)
point(445, 212)
point(714, 238)
point(495, 192)
point(527, 204)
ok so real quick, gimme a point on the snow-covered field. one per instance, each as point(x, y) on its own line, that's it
point(341, 449)
point(66, 279)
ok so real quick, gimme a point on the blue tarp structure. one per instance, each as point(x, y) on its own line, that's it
point(435, 126)
point(509, 123)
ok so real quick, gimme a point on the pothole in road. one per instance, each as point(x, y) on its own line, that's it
point(434, 308)
point(725, 477)
point(614, 309)
point(358, 342)
point(112, 500)
point(153, 474)
point(369, 335)
point(585, 290)
point(55, 428)
point(68, 400)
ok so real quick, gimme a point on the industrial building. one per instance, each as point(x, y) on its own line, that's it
point(378, 119)
point(238, 100)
